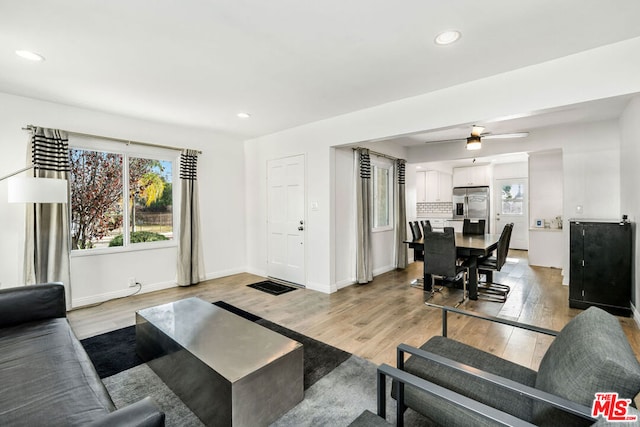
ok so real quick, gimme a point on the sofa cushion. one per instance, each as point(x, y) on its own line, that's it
point(591, 354)
point(464, 384)
point(47, 377)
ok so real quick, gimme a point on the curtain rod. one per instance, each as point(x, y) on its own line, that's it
point(127, 141)
point(375, 153)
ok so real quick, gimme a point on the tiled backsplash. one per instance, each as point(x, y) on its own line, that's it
point(426, 208)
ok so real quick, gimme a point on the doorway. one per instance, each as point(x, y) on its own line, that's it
point(286, 219)
point(511, 198)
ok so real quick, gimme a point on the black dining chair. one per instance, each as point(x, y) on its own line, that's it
point(416, 233)
point(418, 254)
point(490, 290)
point(426, 225)
point(440, 260)
point(473, 226)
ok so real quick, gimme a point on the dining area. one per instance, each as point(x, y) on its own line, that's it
point(460, 259)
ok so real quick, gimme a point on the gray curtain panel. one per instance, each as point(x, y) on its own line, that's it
point(364, 262)
point(400, 215)
point(190, 259)
point(47, 244)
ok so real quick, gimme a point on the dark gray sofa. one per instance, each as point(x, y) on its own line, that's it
point(454, 384)
point(46, 378)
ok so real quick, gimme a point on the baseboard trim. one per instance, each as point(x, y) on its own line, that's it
point(344, 283)
point(382, 270)
point(225, 273)
point(121, 293)
point(320, 288)
point(146, 288)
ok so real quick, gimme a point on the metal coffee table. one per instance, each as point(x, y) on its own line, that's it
point(226, 369)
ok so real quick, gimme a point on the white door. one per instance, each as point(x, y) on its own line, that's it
point(511, 198)
point(286, 221)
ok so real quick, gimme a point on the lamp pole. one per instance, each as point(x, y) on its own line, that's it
point(16, 173)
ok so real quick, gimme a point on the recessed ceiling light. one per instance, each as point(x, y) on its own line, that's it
point(447, 37)
point(244, 115)
point(31, 56)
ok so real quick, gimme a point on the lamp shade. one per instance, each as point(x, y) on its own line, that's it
point(37, 190)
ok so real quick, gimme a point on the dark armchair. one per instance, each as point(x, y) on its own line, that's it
point(590, 354)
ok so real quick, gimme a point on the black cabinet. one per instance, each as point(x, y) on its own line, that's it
point(600, 266)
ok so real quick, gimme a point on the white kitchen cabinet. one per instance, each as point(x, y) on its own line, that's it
point(421, 193)
point(437, 187)
point(472, 176)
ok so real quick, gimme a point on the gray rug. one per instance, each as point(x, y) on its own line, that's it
point(335, 400)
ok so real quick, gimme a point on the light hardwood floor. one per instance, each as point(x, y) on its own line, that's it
point(371, 320)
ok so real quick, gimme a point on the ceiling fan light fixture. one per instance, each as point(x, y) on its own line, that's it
point(473, 142)
point(447, 37)
point(477, 130)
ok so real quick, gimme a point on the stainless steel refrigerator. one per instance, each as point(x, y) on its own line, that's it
point(472, 203)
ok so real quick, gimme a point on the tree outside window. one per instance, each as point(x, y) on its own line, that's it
point(513, 199)
point(100, 212)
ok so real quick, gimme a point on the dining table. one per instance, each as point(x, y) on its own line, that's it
point(470, 247)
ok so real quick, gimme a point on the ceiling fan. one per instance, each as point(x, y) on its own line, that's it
point(474, 141)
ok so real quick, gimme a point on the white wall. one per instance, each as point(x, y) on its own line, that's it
point(510, 170)
point(577, 78)
point(630, 178)
point(345, 218)
point(546, 247)
point(545, 184)
point(96, 278)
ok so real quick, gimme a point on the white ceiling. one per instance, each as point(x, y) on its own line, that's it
point(286, 62)
point(603, 109)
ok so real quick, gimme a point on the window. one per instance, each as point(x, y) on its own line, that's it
point(382, 197)
point(108, 211)
point(513, 199)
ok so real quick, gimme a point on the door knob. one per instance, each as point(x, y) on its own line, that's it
point(301, 222)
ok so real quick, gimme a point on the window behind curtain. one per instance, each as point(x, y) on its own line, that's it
point(109, 211)
point(382, 197)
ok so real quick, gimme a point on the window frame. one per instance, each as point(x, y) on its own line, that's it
point(378, 163)
point(127, 152)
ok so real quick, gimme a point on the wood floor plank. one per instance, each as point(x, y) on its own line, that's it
point(371, 320)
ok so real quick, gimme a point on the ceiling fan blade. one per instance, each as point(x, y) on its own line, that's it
point(442, 141)
point(504, 135)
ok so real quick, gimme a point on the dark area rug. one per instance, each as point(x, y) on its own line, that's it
point(115, 351)
point(272, 288)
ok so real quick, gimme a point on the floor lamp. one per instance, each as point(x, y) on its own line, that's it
point(35, 190)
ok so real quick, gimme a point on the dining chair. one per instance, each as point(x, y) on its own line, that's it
point(440, 260)
point(426, 225)
point(473, 226)
point(490, 290)
point(418, 255)
point(416, 233)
